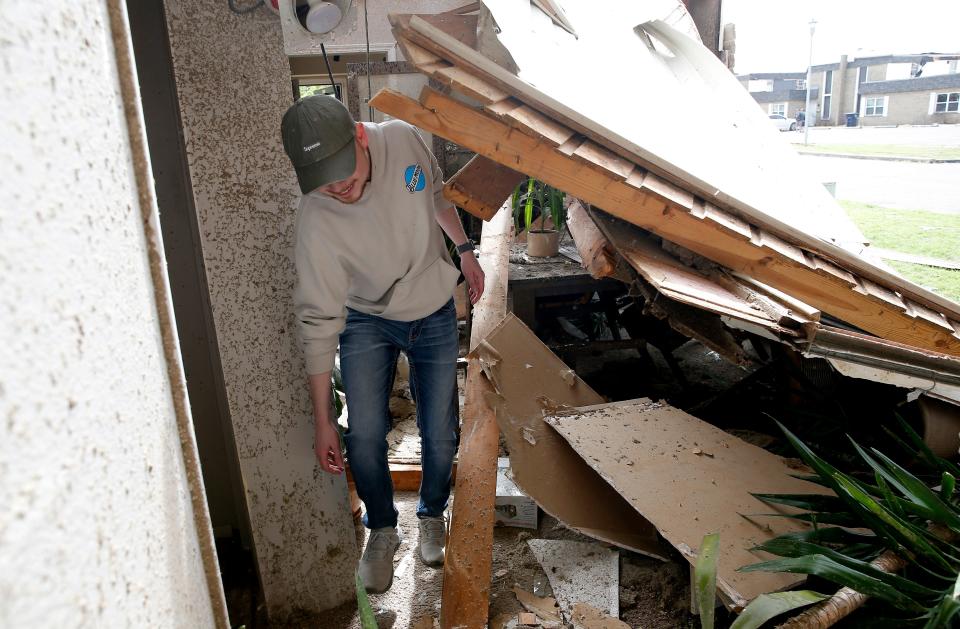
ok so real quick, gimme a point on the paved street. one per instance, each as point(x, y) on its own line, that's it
point(908, 185)
point(943, 135)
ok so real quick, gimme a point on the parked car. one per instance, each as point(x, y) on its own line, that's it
point(784, 124)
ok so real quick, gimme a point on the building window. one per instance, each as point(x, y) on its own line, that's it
point(827, 93)
point(876, 106)
point(779, 109)
point(948, 102)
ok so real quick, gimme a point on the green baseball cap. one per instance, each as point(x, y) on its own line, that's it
point(318, 137)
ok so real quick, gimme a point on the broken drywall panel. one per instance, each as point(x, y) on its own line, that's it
point(689, 479)
point(525, 372)
point(513, 507)
point(580, 572)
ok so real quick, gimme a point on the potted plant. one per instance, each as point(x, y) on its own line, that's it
point(539, 209)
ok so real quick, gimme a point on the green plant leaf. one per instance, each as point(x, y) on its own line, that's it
point(705, 578)
point(883, 522)
point(810, 502)
point(794, 548)
point(834, 535)
point(918, 492)
point(528, 207)
point(367, 619)
point(830, 570)
point(922, 451)
point(948, 485)
point(767, 606)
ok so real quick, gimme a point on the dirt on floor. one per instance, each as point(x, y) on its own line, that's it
point(653, 594)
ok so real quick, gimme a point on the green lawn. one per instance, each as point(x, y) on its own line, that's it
point(885, 150)
point(914, 231)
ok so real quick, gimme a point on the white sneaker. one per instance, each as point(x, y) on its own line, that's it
point(376, 565)
point(433, 537)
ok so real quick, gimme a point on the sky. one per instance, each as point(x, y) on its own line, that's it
point(775, 36)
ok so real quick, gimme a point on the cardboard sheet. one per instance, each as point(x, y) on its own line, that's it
point(689, 479)
point(528, 377)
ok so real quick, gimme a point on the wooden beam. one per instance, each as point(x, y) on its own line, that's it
point(467, 570)
point(599, 257)
point(407, 476)
point(481, 186)
point(700, 227)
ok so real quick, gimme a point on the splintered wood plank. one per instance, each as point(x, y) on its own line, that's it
point(675, 279)
point(466, 570)
point(481, 186)
point(463, 28)
point(690, 478)
point(602, 158)
point(528, 378)
point(418, 55)
point(503, 107)
point(768, 263)
point(595, 250)
point(466, 83)
point(535, 123)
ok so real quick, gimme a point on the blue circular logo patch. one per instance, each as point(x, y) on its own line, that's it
point(413, 178)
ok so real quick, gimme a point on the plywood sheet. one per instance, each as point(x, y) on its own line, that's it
point(481, 186)
point(689, 479)
point(528, 379)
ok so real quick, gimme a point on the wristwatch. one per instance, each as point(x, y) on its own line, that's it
point(465, 247)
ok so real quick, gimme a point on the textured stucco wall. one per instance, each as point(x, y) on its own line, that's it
point(233, 85)
point(96, 524)
point(350, 34)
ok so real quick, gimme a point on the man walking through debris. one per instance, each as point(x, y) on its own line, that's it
point(374, 273)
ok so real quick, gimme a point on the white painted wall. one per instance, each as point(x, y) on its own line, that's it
point(96, 524)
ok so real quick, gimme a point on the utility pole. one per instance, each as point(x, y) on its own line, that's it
point(808, 116)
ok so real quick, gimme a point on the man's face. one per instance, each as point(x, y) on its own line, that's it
point(350, 189)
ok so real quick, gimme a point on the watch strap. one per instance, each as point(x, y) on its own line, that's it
point(465, 247)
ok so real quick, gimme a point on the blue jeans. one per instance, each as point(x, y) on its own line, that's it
point(369, 348)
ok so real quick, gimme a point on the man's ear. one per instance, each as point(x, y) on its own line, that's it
point(362, 135)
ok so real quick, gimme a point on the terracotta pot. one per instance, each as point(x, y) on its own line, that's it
point(543, 243)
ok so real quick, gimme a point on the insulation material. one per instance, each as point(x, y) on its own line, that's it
point(580, 572)
point(527, 377)
point(690, 479)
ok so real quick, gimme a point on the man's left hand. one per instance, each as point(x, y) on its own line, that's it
point(474, 274)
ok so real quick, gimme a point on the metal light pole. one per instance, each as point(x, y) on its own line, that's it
point(807, 117)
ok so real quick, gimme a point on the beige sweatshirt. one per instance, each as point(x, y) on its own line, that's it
point(383, 255)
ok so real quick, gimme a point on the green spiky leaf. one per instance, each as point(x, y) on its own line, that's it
point(767, 606)
point(830, 570)
point(705, 578)
point(367, 618)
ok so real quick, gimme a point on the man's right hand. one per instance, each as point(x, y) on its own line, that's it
point(327, 447)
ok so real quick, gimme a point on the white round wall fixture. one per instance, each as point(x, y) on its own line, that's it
point(323, 17)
